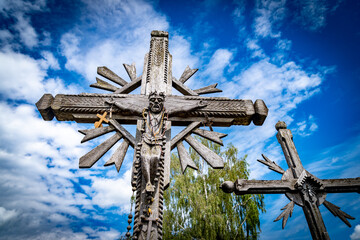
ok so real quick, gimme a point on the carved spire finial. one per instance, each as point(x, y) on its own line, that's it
point(280, 125)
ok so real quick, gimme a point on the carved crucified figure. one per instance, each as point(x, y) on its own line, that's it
point(154, 116)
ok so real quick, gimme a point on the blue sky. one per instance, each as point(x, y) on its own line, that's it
point(300, 57)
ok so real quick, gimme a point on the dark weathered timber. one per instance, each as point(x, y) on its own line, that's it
point(214, 160)
point(300, 186)
point(104, 85)
point(108, 74)
point(89, 159)
point(182, 88)
point(131, 86)
point(181, 135)
point(210, 135)
point(131, 71)
point(209, 89)
point(188, 72)
point(94, 133)
point(44, 107)
point(272, 165)
point(123, 132)
point(224, 111)
point(184, 157)
point(118, 157)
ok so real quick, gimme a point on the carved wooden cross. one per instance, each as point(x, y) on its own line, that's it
point(154, 110)
point(299, 186)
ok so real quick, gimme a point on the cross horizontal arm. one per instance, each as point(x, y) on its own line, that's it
point(341, 185)
point(242, 186)
point(83, 108)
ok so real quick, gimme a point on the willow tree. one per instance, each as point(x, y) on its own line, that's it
point(196, 208)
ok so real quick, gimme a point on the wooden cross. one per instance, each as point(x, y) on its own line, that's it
point(154, 111)
point(102, 119)
point(299, 186)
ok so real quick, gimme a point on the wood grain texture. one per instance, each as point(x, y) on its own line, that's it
point(214, 160)
point(123, 132)
point(181, 135)
point(108, 74)
point(89, 159)
point(182, 88)
point(131, 71)
point(184, 157)
point(118, 157)
point(209, 89)
point(210, 135)
point(188, 72)
point(131, 86)
point(96, 132)
point(104, 85)
point(223, 111)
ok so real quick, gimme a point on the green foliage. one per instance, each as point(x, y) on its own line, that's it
point(196, 208)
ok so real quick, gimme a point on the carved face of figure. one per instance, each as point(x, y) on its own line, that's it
point(156, 102)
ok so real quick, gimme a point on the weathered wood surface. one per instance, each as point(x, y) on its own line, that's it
point(89, 159)
point(84, 107)
point(101, 84)
point(181, 135)
point(184, 157)
point(210, 135)
point(108, 74)
point(118, 157)
point(214, 160)
point(124, 132)
point(183, 88)
point(96, 132)
point(209, 89)
point(188, 72)
point(131, 71)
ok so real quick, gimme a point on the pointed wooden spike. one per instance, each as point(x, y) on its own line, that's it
point(214, 160)
point(89, 159)
point(184, 157)
point(182, 88)
point(131, 86)
point(96, 132)
point(118, 157)
point(181, 135)
point(131, 71)
point(288, 209)
point(123, 132)
point(209, 89)
point(272, 165)
point(212, 136)
point(108, 74)
point(103, 85)
point(335, 210)
point(188, 72)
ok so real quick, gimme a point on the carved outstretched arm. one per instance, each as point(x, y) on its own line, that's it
point(186, 108)
point(125, 106)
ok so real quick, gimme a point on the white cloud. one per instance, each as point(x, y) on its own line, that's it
point(26, 32)
point(270, 13)
point(356, 234)
point(24, 78)
point(49, 61)
point(113, 192)
point(6, 215)
point(307, 127)
point(125, 40)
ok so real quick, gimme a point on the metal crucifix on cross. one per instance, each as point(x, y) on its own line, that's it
point(154, 111)
point(299, 186)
